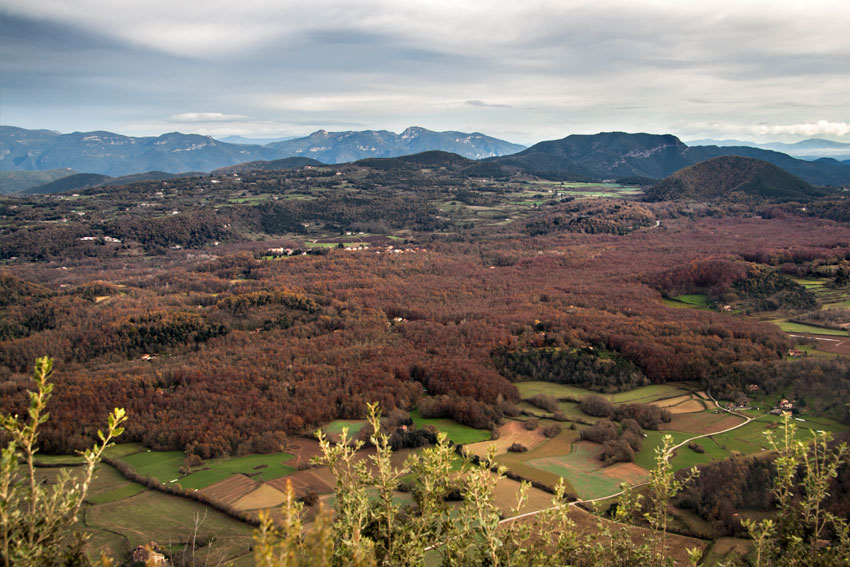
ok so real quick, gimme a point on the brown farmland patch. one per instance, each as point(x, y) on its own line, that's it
point(304, 449)
point(681, 404)
point(319, 480)
point(626, 472)
point(506, 497)
point(702, 422)
point(667, 402)
point(509, 433)
point(230, 489)
point(265, 496)
point(691, 406)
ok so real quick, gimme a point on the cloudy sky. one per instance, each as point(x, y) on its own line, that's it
point(523, 71)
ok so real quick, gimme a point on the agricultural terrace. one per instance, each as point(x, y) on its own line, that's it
point(717, 435)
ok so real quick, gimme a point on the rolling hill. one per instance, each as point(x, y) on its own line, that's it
point(285, 163)
point(15, 181)
point(733, 177)
point(68, 183)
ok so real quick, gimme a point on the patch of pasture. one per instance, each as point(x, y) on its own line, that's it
point(58, 460)
point(643, 394)
point(533, 387)
point(646, 456)
point(686, 457)
point(586, 485)
point(126, 491)
point(586, 473)
point(789, 327)
point(648, 394)
point(168, 520)
point(334, 428)
point(698, 300)
point(265, 467)
point(572, 410)
point(162, 465)
point(457, 433)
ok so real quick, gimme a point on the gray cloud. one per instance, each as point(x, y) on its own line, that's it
point(483, 104)
point(527, 72)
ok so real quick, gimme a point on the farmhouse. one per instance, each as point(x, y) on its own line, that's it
point(148, 555)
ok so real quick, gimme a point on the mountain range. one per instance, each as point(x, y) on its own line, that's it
point(813, 148)
point(638, 158)
point(112, 154)
point(342, 147)
point(616, 155)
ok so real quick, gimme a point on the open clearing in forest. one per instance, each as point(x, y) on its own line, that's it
point(509, 433)
point(457, 433)
point(334, 429)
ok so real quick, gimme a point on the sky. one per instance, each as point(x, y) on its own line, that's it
point(522, 71)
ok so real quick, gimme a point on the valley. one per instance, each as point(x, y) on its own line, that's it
point(235, 314)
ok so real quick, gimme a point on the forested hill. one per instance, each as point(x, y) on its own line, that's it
point(735, 177)
point(615, 155)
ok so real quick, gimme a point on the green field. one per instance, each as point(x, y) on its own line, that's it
point(532, 387)
point(126, 491)
point(335, 427)
point(162, 465)
point(120, 525)
point(790, 327)
point(689, 301)
point(580, 468)
point(646, 456)
point(696, 299)
point(457, 433)
point(165, 465)
point(644, 394)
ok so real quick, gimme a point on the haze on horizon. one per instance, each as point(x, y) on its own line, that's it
point(752, 70)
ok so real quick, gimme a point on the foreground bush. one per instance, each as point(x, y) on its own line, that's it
point(37, 522)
